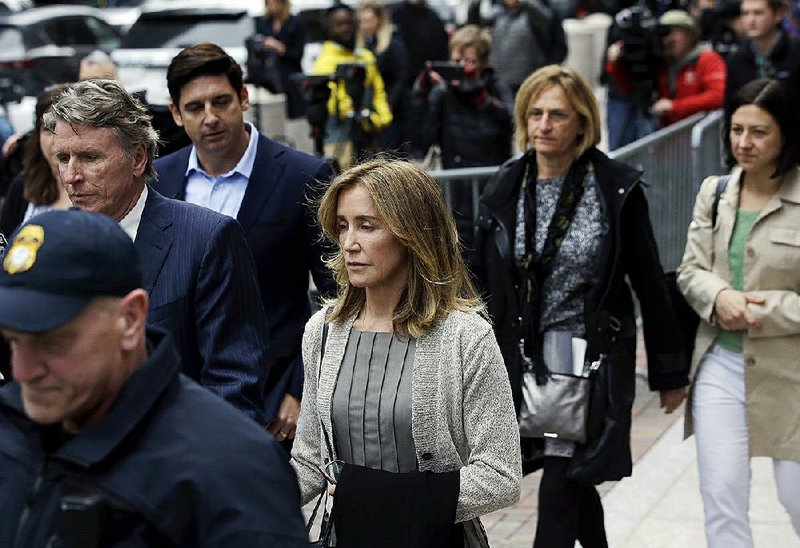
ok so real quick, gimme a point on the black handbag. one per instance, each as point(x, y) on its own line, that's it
point(687, 318)
point(554, 404)
point(559, 408)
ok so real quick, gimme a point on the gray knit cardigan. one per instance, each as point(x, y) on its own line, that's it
point(462, 414)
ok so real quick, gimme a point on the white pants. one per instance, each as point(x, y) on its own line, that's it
point(720, 427)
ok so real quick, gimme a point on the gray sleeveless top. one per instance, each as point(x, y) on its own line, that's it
point(371, 407)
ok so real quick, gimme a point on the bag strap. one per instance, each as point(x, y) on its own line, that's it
point(319, 375)
point(722, 183)
point(324, 494)
point(534, 270)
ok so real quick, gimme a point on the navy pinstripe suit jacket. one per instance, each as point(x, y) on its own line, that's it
point(201, 279)
point(281, 230)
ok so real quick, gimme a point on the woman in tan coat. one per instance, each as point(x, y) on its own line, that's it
point(741, 274)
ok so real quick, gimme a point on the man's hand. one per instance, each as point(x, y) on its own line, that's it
point(284, 425)
point(671, 399)
point(662, 107)
point(614, 51)
point(731, 310)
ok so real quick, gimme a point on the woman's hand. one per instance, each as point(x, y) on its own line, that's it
point(730, 308)
point(671, 399)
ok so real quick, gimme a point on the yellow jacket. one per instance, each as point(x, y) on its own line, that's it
point(375, 100)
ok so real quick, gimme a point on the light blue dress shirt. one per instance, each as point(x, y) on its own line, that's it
point(225, 193)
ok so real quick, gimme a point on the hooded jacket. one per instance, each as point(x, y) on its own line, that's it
point(628, 249)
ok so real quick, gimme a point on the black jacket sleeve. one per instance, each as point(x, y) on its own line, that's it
point(667, 366)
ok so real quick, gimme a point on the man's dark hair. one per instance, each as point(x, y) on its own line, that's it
point(336, 7)
point(773, 97)
point(204, 59)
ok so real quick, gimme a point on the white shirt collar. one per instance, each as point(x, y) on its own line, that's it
point(130, 223)
point(243, 167)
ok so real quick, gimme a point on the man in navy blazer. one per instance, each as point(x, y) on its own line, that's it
point(267, 187)
point(195, 262)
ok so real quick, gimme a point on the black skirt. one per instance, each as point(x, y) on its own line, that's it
point(408, 510)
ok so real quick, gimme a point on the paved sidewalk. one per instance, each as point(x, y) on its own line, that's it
point(660, 505)
point(514, 527)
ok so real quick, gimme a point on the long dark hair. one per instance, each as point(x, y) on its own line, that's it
point(41, 187)
point(773, 97)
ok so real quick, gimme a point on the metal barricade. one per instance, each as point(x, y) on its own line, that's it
point(475, 177)
point(708, 154)
point(665, 158)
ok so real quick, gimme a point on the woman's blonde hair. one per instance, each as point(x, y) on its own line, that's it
point(283, 14)
point(412, 207)
point(579, 94)
point(472, 36)
point(385, 27)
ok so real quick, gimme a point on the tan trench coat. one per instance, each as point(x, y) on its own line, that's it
point(771, 270)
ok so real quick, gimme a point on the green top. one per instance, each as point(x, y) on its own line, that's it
point(732, 340)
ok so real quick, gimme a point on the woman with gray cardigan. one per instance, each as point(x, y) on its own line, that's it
point(404, 382)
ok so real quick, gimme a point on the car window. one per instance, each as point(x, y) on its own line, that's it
point(11, 43)
point(80, 31)
point(181, 31)
point(105, 36)
point(61, 31)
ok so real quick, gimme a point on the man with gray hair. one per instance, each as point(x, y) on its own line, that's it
point(196, 265)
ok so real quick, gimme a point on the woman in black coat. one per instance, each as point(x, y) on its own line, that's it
point(285, 37)
point(377, 34)
point(584, 295)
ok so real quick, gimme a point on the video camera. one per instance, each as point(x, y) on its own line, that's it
point(262, 65)
point(316, 92)
point(717, 23)
point(641, 37)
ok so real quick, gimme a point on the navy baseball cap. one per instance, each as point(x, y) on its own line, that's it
point(57, 263)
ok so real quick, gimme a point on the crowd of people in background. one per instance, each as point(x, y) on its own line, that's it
point(137, 272)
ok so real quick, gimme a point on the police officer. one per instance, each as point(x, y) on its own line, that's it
point(102, 440)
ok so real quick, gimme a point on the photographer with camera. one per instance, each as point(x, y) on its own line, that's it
point(464, 109)
point(690, 77)
point(358, 106)
point(632, 42)
point(275, 52)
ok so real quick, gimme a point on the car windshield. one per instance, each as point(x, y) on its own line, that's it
point(179, 31)
point(11, 43)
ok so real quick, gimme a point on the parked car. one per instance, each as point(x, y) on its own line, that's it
point(44, 46)
point(163, 29)
point(9, 6)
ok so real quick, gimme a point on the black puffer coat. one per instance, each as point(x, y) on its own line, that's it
point(628, 249)
point(472, 125)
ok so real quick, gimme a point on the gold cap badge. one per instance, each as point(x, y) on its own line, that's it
point(22, 255)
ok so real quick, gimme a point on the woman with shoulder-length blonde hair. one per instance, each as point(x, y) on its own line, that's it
point(559, 230)
point(377, 34)
point(409, 385)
